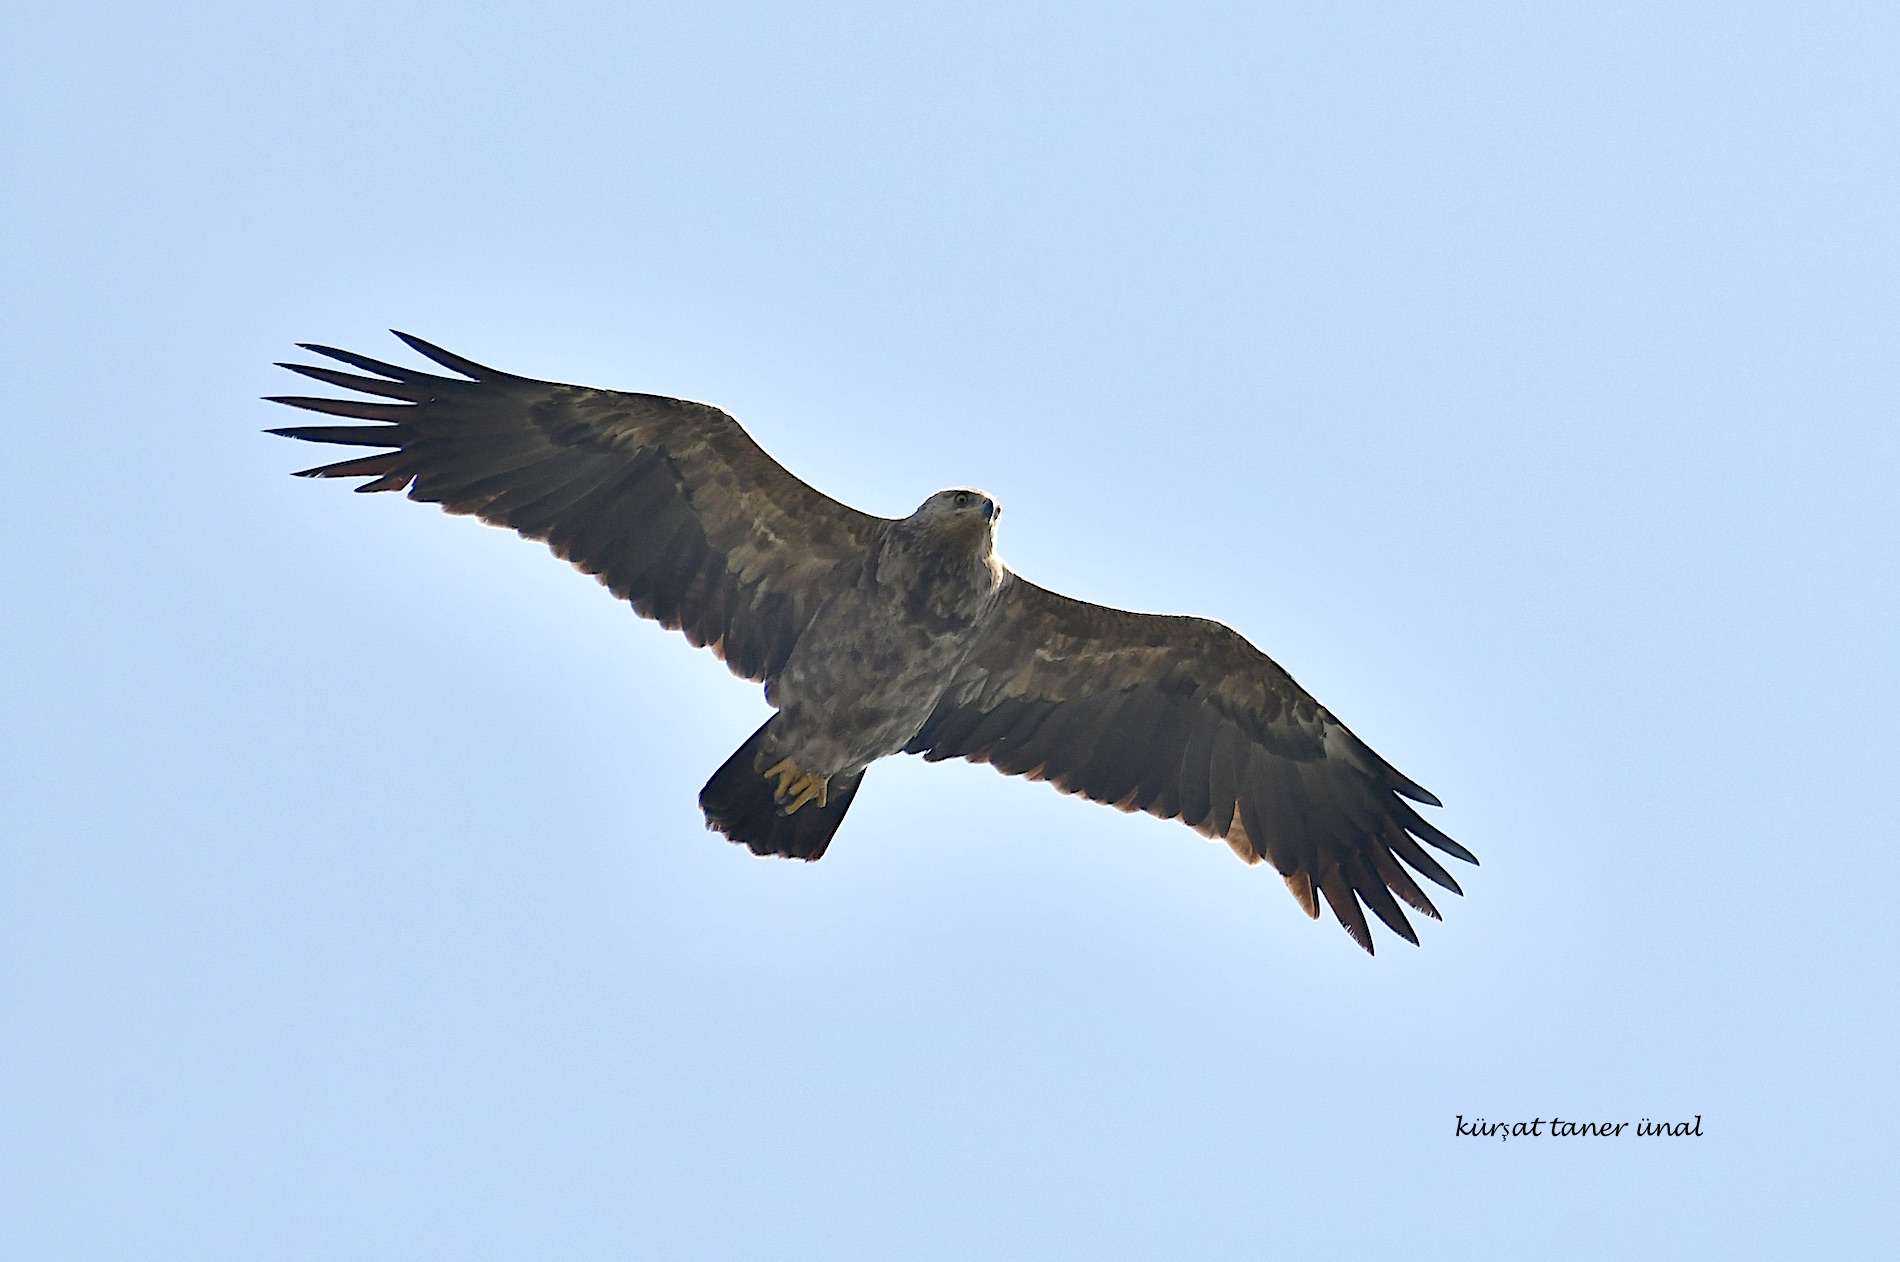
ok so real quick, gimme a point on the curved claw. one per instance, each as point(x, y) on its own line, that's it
point(808, 788)
point(796, 786)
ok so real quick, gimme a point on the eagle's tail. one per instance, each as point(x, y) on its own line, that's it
point(741, 803)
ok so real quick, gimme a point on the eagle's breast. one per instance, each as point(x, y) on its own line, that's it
point(869, 669)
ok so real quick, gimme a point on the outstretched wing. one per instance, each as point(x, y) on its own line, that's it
point(668, 502)
point(1184, 719)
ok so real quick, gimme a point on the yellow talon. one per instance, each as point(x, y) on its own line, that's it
point(808, 788)
point(798, 785)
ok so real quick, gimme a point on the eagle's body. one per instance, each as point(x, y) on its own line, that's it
point(876, 659)
point(864, 676)
point(874, 635)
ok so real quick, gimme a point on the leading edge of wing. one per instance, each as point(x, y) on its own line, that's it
point(668, 502)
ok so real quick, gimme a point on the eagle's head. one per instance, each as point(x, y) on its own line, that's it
point(958, 524)
point(952, 528)
point(962, 506)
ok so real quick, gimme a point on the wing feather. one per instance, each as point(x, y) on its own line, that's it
point(1182, 718)
point(668, 502)
point(1192, 776)
point(409, 392)
point(1339, 896)
point(1400, 843)
point(1158, 760)
point(1372, 891)
point(1224, 764)
point(1400, 882)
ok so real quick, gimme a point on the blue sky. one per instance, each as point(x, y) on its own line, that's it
point(1522, 378)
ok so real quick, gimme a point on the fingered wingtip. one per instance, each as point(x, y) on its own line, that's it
point(1455, 850)
point(291, 433)
point(449, 359)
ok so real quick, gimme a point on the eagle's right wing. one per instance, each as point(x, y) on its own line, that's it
point(668, 502)
point(1184, 719)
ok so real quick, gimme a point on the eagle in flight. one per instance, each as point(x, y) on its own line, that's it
point(875, 636)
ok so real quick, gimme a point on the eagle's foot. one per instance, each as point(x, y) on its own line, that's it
point(796, 786)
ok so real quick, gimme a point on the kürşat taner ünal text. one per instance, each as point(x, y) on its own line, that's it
point(1560, 1128)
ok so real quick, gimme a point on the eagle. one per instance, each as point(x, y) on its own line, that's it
point(874, 636)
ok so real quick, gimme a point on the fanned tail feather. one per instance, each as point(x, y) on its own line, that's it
point(739, 802)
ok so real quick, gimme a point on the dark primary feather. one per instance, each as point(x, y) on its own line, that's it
point(1183, 718)
point(668, 502)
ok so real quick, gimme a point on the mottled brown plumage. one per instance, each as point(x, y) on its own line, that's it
point(874, 635)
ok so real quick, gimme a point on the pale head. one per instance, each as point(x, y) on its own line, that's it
point(959, 504)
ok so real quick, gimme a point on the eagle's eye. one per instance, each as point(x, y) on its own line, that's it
point(963, 499)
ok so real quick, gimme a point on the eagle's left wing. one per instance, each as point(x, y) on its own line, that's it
point(1184, 719)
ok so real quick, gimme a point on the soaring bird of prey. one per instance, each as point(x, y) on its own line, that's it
point(875, 636)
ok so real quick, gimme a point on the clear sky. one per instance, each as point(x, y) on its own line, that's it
point(1522, 378)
